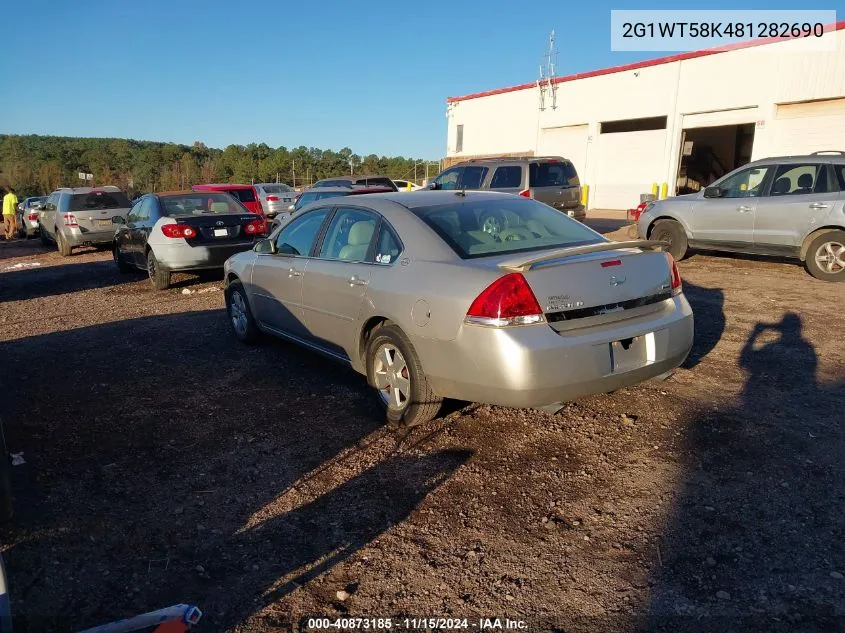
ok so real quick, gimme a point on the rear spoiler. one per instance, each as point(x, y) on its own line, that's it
point(525, 262)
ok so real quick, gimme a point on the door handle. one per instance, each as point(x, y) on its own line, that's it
point(744, 208)
point(293, 272)
point(819, 205)
point(357, 281)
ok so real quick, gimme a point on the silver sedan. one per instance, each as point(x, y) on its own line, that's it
point(476, 296)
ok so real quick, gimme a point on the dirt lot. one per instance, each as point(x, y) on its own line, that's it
point(167, 463)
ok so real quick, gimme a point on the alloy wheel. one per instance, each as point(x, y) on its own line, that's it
point(237, 312)
point(830, 257)
point(391, 376)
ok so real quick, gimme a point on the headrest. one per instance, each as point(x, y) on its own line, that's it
point(805, 181)
point(781, 185)
point(361, 233)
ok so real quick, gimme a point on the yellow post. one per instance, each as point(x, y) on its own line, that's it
point(409, 185)
point(585, 194)
point(664, 190)
point(654, 189)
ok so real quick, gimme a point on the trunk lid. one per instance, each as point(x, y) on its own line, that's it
point(609, 282)
point(219, 229)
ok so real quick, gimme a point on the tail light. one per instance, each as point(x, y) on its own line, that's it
point(256, 227)
point(526, 193)
point(634, 214)
point(675, 274)
point(272, 198)
point(507, 301)
point(70, 220)
point(178, 230)
point(32, 217)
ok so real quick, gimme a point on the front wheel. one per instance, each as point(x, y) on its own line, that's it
point(673, 233)
point(240, 314)
point(394, 369)
point(159, 277)
point(826, 256)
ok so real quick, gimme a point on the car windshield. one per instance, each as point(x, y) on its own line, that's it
point(277, 189)
point(99, 200)
point(200, 203)
point(481, 228)
point(313, 196)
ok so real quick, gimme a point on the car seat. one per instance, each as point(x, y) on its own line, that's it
point(358, 241)
point(218, 207)
point(538, 228)
point(805, 183)
point(781, 187)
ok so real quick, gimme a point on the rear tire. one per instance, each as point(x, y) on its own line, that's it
point(240, 315)
point(65, 249)
point(122, 266)
point(391, 359)
point(158, 277)
point(826, 256)
point(672, 232)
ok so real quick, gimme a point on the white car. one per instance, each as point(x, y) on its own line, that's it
point(406, 185)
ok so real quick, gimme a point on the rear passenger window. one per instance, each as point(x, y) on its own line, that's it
point(473, 177)
point(349, 235)
point(799, 179)
point(244, 195)
point(507, 177)
point(548, 175)
point(840, 175)
point(387, 248)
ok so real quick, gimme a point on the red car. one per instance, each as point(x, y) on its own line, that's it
point(245, 193)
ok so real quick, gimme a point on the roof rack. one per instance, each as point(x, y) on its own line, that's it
point(828, 151)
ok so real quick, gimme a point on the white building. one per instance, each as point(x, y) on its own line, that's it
point(678, 120)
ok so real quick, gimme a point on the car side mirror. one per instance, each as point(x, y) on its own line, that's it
point(265, 247)
point(118, 219)
point(433, 185)
point(713, 192)
point(290, 208)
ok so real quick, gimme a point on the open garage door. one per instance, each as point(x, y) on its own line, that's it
point(569, 141)
point(630, 159)
point(813, 126)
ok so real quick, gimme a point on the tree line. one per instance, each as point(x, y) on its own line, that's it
point(36, 165)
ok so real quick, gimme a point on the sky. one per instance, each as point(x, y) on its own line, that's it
point(370, 76)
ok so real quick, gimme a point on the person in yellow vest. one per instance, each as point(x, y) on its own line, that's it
point(10, 208)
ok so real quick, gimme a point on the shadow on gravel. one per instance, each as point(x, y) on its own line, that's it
point(756, 541)
point(149, 443)
point(605, 225)
point(47, 281)
point(708, 307)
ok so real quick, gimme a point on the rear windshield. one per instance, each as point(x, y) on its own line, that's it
point(499, 227)
point(244, 195)
point(200, 203)
point(334, 183)
point(382, 182)
point(277, 189)
point(312, 196)
point(98, 200)
point(560, 174)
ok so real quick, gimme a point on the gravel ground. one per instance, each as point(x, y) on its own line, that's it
point(167, 463)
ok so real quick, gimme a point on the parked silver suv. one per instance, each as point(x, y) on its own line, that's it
point(790, 206)
point(551, 180)
point(81, 216)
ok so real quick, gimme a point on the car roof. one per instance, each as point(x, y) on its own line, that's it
point(511, 159)
point(350, 190)
point(110, 188)
point(833, 156)
point(222, 186)
point(179, 192)
point(351, 178)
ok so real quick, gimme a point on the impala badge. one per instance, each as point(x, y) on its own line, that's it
point(617, 281)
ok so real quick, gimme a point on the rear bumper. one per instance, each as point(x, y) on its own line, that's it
point(176, 257)
point(535, 366)
point(79, 237)
point(276, 208)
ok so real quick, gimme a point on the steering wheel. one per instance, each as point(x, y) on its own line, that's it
point(493, 223)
